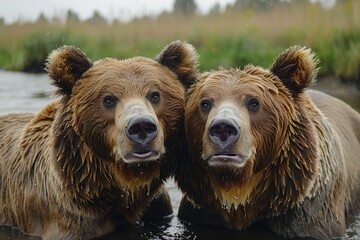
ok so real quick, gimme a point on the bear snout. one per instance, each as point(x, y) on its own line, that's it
point(142, 133)
point(141, 130)
point(226, 140)
point(224, 132)
point(140, 137)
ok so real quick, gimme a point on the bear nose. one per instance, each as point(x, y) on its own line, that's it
point(141, 130)
point(224, 132)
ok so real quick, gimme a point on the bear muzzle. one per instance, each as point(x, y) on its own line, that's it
point(237, 160)
point(141, 137)
point(223, 134)
point(142, 130)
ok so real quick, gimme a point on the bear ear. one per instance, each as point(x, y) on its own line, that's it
point(182, 59)
point(65, 66)
point(296, 68)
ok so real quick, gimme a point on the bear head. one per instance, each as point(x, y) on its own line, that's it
point(239, 124)
point(118, 114)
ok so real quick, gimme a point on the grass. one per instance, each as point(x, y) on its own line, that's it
point(230, 39)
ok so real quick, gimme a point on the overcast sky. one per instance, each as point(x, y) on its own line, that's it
point(25, 10)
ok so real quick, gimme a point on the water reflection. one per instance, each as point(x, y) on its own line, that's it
point(21, 92)
point(173, 228)
point(165, 229)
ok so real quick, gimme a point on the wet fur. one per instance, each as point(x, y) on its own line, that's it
point(60, 175)
point(303, 178)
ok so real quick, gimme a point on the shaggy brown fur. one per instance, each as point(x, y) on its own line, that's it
point(295, 159)
point(71, 171)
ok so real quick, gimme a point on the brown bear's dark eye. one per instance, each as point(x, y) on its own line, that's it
point(253, 105)
point(154, 97)
point(205, 105)
point(109, 101)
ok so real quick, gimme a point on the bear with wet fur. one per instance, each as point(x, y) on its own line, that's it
point(97, 156)
point(262, 147)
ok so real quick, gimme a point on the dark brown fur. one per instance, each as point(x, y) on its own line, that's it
point(62, 171)
point(300, 173)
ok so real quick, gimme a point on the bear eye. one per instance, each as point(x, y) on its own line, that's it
point(154, 97)
point(109, 101)
point(205, 105)
point(253, 105)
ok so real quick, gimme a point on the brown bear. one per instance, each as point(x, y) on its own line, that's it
point(264, 149)
point(97, 156)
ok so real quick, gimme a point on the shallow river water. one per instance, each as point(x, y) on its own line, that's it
point(20, 92)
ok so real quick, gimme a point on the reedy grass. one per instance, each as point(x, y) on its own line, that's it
point(229, 39)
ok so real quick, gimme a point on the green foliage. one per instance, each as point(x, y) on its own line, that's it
point(36, 47)
point(5, 57)
point(293, 36)
point(325, 53)
point(229, 39)
point(339, 55)
point(215, 52)
point(96, 18)
point(186, 7)
point(42, 18)
point(256, 4)
point(72, 16)
point(235, 52)
point(255, 51)
point(347, 55)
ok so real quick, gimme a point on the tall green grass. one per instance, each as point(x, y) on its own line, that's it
point(36, 47)
point(229, 39)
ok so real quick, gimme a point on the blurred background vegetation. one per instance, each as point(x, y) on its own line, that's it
point(248, 31)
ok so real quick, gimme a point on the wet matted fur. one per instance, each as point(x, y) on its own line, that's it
point(263, 148)
point(71, 171)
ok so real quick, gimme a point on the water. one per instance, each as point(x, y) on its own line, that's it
point(20, 92)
